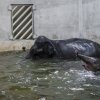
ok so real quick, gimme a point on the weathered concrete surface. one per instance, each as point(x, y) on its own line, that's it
point(15, 45)
point(57, 19)
point(91, 12)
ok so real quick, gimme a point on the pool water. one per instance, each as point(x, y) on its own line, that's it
point(45, 79)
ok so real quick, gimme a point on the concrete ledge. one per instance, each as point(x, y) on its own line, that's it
point(15, 45)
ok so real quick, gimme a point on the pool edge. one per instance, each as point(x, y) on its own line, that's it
point(15, 45)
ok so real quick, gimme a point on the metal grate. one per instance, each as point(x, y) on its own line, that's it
point(22, 21)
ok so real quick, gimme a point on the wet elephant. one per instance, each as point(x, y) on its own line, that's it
point(64, 49)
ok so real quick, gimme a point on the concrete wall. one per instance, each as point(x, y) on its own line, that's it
point(91, 19)
point(61, 19)
point(57, 19)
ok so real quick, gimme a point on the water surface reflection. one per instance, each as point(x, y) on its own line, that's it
point(49, 79)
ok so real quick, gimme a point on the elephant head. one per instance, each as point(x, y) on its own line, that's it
point(42, 48)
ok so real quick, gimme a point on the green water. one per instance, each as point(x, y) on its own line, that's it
point(49, 79)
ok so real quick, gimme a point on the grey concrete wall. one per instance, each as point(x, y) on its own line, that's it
point(57, 19)
point(91, 19)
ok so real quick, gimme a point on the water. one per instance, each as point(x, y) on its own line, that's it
point(49, 79)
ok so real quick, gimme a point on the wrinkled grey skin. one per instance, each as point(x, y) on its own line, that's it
point(92, 63)
point(65, 49)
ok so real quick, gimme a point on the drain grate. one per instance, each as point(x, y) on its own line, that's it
point(22, 21)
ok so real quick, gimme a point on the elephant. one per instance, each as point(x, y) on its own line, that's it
point(92, 63)
point(63, 49)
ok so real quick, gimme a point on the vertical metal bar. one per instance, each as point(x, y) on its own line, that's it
point(12, 25)
point(33, 31)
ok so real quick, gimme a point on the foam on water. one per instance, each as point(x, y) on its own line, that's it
point(49, 79)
